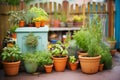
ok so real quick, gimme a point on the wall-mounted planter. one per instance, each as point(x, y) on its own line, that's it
point(41, 33)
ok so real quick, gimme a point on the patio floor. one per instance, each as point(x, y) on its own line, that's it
point(113, 74)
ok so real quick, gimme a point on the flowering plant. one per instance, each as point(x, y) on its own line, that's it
point(78, 18)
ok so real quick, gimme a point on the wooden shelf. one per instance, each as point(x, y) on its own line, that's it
point(64, 28)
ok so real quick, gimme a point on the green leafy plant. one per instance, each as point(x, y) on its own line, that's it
point(59, 49)
point(13, 28)
point(38, 12)
point(30, 57)
point(15, 17)
point(11, 54)
point(29, 17)
point(31, 40)
point(72, 59)
point(81, 38)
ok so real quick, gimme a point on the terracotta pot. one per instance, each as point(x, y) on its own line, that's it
point(82, 53)
point(14, 35)
point(89, 64)
point(11, 68)
point(21, 23)
point(113, 51)
point(73, 66)
point(56, 23)
point(43, 23)
point(48, 68)
point(101, 67)
point(60, 63)
point(37, 24)
point(77, 24)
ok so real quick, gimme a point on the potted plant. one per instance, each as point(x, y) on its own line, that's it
point(56, 22)
point(94, 47)
point(11, 60)
point(73, 63)
point(59, 54)
point(28, 18)
point(63, 19)
point(31, 62)
point(81, 41)
point(112, 42)
point(16, 17)
point(78, 20)
point(48, 62)
point(40, 15)
point(31, 42)
point(12, 30)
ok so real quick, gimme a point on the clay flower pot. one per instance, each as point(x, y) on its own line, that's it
point(37, 24)
point(11, 68)
point(22, 23)
point(113, 51)
point(73, 66)
point(48, 68)
point(101, 67)
point(89, 65)
point(60, 63)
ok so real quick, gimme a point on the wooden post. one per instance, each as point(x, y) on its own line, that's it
point(110, 18)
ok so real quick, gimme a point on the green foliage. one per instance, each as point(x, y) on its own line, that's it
point(38, 12)
point(13, 28)
point(59, 49)
point(44, 58)
point(31, 40)
point(15, 2)
point(63, 17)
point(15, 17)
point(30, 57)
point(11, 54)
point(81, 38)
point(29, 17)
point(111, 39)
point(72, 59)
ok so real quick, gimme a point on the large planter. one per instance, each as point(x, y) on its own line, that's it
point(11, 68)
point(48, 68)
point(30, 67)
point(89, 64)
point(73, 66)
point(60, 63)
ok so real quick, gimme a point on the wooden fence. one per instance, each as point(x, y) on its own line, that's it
point(50, 8)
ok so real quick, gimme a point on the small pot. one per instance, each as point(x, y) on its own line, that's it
point(101, 67)
point(113, 51)
point(48, 68)
point(22, 23)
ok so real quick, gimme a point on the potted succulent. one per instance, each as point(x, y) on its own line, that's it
point(59, 54)
point(11, 60)
point(73, 63)
point(31, 62)
point(56, 22)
